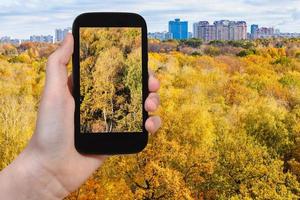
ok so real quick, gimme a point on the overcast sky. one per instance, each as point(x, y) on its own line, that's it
point(20, 20)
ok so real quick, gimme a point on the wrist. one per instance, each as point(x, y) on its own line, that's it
point(26, 178)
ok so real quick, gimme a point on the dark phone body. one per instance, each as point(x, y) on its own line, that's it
point(113, 142)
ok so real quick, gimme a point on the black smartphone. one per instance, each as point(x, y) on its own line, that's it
point(110, 83)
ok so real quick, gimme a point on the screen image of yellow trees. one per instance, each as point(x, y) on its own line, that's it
point(231, 121)
point(110, 80)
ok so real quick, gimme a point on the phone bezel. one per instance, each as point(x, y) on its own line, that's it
point(109, 143)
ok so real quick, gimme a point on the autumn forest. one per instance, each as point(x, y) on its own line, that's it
point(230, 112)
point(110, 80)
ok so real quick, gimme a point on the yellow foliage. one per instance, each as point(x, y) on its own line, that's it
point(230, 124)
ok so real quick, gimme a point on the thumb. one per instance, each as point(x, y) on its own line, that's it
point(56, 70)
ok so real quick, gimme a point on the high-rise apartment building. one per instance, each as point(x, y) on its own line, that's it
point(263, 32)
point(60, 34)
point(254, 28)
point(253, 32)
point(178, 29)
point(239, 30)
point(220, 30)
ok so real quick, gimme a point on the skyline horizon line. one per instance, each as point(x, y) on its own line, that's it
point(160, 31)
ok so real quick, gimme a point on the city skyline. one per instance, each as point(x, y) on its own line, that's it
point(218, 30)
point(42, 17)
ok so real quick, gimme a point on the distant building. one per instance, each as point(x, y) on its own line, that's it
point(277, 31)
point(160, 35)
point(61, 33)
point(6, 39)
point(253, 31)
point(220, 30)
point(41, 38)
point(178, 29)
point(239, 29)
point(286, 35)
point(24, 40)
point(263, 32)
point(270, 32)
point(248, 36)
point(15, 41)
point(190, 35)
point(204, 31)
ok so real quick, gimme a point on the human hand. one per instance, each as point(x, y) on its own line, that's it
point(50, 167)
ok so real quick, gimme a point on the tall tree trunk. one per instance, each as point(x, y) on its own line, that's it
point(112, 113)
point(105, 120)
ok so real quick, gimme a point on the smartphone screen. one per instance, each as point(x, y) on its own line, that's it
point(110, 60)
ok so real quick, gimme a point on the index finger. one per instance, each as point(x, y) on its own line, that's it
point(153, 83)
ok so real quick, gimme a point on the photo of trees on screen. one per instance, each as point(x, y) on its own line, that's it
point(110, 79)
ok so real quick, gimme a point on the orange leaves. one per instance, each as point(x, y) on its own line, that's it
point(236, 93)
